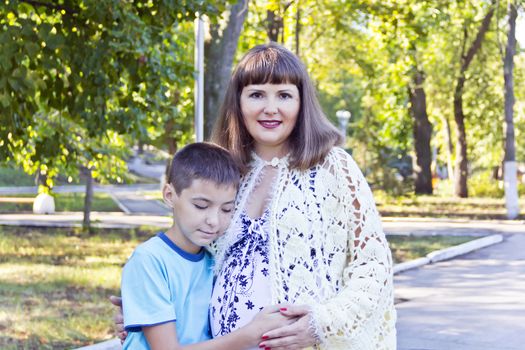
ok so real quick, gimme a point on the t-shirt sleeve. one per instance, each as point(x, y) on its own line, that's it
point(146, 297)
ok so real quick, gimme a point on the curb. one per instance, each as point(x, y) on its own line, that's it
point(119, 203)
point(449, 253)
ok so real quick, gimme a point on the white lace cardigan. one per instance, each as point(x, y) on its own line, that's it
point(327, 250)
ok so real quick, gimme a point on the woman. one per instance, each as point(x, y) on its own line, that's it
point(306, 230)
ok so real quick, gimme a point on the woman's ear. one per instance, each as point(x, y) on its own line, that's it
point(168, 194)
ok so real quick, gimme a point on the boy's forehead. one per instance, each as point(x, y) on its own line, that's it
point(205, 185)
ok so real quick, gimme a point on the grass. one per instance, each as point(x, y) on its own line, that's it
point(443, 207)
point(405, 248)
point(55, 282)
point(63, 202)
point(54, 285)
point(15, 177)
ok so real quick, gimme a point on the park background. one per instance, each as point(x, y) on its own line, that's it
point(435, 91)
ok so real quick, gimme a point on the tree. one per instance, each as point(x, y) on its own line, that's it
point(510, 165)
point(77, 78)
point(422, 133)
point(220, 51)
point(461, 170)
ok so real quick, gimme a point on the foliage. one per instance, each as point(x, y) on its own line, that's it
point(80, 79)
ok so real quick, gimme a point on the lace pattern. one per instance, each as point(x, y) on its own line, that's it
point(327, 249)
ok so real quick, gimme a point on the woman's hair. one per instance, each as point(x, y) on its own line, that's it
point(202, 161)
point(313, 135)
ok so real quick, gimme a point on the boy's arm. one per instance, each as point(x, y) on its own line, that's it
point(164, 336)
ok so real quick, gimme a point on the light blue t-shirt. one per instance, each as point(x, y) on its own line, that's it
point(162, 283)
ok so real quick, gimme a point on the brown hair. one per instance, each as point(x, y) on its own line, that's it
point(313, 135)
point(204, 161)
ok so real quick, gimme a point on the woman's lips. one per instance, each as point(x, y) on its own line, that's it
point(270, 124)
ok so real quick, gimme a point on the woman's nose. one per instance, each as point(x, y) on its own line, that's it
point(271, 107)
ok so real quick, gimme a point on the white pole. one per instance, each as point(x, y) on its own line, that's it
point(199, 82)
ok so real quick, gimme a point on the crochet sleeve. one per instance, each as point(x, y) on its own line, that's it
point(363, 307)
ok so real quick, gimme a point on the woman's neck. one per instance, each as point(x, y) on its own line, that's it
point(268, 153)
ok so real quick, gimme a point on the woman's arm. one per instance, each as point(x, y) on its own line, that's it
point(362, 312)
point(164, 336)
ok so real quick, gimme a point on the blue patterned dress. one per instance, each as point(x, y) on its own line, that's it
point(241, 289)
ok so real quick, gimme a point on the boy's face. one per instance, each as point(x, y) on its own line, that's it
point(201, 213)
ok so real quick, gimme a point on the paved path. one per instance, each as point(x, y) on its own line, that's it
point(473, 302)
point(136, 203)
point(129, 198)
point(74, 219)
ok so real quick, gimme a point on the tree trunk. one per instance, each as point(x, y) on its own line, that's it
point(218, 60)
point(274, 25)
point(450, 147)
point(422, 134)
point(510, 165)
point(88, 199)
point(297, 27)
point(461, 171)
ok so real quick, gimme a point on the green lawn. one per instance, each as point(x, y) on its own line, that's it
point(443, 207)
point(63, 202)
point(54, 285)
point(17, 177)
point(406, 248)
point(54, 282)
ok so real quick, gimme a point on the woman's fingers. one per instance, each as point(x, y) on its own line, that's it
point(295, 310)
point(281, 343)
point(281, 332)
point(298, 334)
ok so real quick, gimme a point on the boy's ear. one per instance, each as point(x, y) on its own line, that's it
point(169, 194)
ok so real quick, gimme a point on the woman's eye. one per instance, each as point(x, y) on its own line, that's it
point(255, 95)
point(286, 96)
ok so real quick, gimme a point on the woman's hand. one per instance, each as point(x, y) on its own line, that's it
point(119, 318)
point(267, 319)
point(297, 335)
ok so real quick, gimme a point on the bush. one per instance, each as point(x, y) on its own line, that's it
point(484, 185)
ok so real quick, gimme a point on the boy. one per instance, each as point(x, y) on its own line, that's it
point(167, 282)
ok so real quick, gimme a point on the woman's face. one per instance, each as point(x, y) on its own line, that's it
point(270, 113)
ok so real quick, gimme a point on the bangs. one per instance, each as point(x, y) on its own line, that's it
point(270, 66)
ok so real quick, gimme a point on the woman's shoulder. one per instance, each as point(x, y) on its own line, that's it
point(338, 156)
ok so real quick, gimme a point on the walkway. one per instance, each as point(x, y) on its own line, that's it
point(472, 302)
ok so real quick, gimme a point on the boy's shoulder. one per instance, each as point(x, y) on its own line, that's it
point(149, 246)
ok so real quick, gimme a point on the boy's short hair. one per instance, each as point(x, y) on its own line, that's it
point(203, 161)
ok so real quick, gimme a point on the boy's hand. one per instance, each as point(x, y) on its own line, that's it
point(119, 318)
point(297, 335)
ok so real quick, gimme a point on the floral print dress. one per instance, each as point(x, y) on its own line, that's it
point(241, 289)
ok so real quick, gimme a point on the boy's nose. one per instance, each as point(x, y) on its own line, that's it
point(212, 219)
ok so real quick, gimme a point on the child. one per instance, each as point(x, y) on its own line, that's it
point(167, 282)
